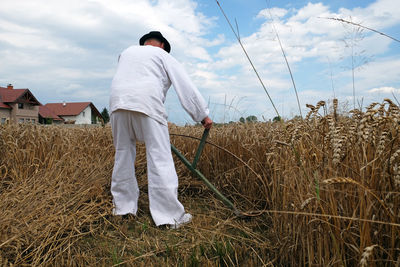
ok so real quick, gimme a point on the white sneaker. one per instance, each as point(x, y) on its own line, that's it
point(185, 219)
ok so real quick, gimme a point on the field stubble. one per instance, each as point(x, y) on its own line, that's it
point(322, 191)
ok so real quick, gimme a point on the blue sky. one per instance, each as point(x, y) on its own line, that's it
point(67, 51)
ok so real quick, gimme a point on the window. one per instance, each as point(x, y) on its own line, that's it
point(33, 120)
point(21, 120)
point(20, 105)
point(3, 120)
point(83, 114)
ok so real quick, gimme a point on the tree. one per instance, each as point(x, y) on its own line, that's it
point(106, 116)
point(242, 120)
point(251, 118)
point(277, 118)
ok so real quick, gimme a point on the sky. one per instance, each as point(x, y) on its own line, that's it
point(67, 50)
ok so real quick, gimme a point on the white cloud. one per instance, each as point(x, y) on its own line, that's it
point(217, 41)
point(310, 11)
point(379, 15)
point(384, 89)
point(69, 46)
point(274, 12)
point(54, 46)
point(307, 34)
point(199, 53)
point(307, 37)
point(380, 72)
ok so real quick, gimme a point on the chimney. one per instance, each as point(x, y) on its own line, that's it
point(64, 104)
point(10, 86)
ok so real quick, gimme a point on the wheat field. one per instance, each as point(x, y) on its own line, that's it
point(323, 191)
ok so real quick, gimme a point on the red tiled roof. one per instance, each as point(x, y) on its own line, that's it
point(10, 95)
point(47, 113)
point(3, 105)
point(15, 95)
point(69, 109)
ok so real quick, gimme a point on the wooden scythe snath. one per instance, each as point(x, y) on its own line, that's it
point(192, 167)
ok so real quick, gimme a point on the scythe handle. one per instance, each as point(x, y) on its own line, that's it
point(192, 167)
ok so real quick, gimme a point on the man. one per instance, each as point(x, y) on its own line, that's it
point(138, 91)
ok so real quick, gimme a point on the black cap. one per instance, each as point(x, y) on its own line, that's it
point(156, 35)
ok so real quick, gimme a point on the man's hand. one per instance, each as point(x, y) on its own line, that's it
point(207, 122)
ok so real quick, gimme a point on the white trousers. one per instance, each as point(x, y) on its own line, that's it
point(127, 128)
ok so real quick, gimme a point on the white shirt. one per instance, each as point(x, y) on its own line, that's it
point(143, 77)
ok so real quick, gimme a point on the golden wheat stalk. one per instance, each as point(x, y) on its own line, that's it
point(347, 180)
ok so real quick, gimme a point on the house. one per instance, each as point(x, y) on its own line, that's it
point(18, 105)
point(46, 116)
point(76, 112)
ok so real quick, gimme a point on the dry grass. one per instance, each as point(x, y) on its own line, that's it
point(323, 192)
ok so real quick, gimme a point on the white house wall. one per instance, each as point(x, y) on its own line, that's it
point(85, 117)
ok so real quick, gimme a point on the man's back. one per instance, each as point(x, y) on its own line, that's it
point(144, 75)
point(141, 81)
point(141, 66)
